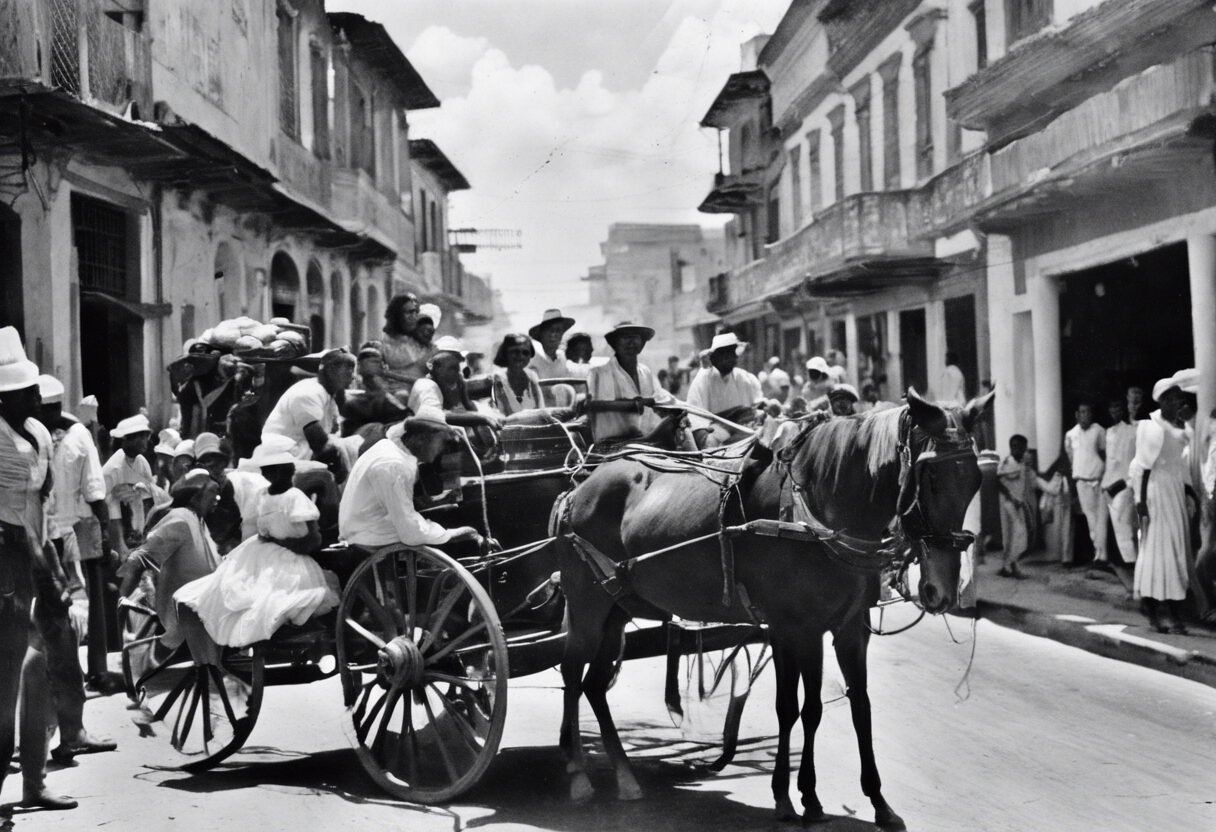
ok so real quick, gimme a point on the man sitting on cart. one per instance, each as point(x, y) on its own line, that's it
point(377, 507)
point(308, 412)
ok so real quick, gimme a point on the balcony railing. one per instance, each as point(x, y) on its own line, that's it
point(75, 46)
point(304, 176)
point(359, 206)
point(733, 193)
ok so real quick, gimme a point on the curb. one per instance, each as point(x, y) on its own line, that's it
point(1107, 640)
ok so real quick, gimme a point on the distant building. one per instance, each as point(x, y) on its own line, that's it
point(174, 163)
point(658, 275)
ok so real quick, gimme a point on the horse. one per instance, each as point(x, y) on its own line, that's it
point(852, 474)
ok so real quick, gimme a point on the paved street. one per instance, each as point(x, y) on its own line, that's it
point(1050, 738)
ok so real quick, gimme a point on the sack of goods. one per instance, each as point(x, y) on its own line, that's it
point(278, 338)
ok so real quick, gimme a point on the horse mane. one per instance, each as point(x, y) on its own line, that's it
point(833, 441)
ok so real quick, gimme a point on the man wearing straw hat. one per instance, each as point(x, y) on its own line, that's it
point(724, 390)
point(377, 507)
point(619, 390)
point(550, 361)
point(25, 483)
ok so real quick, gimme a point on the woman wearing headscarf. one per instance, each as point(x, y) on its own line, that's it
point(1158, 476)
point(515, 388)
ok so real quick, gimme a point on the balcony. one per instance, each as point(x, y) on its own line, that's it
point(362, 208)
point(303, 176)
point(1055, 70)
point(73, 46)
point(733, 193)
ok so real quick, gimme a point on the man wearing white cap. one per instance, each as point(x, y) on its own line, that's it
point(25, 483)
point(129, 481)
point(818, 383)
point(725, 390)
point(307, 413)
point(80, 520)
point(775, 381)
point(377, 507)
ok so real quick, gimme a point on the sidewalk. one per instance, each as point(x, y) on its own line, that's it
point(1092, 610)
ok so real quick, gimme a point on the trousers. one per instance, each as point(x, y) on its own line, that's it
point(1122, 510)
point(16, 598)
point(1093, 506)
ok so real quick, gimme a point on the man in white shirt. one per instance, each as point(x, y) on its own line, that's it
point(307, 413)
point(954, 383)
point(550, 361)
point(723, 390)
point(1120, 451)
point(617, 391)
point(377, 507)
point(129, 482)
point(1085, 444)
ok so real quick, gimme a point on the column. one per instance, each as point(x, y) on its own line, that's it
point(1201, 257)
point(895, 368)
point(850, 347)
point(1000, 334)
point(327, 311)
point(935, 345)
point(1048, 411)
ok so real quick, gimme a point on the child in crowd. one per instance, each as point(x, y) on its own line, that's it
point(268, 580)
point(1015, 481)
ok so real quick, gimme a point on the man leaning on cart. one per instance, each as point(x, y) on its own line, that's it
point(377, 507)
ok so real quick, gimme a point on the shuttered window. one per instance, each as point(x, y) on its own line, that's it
point(288, 108)
point(889, 72)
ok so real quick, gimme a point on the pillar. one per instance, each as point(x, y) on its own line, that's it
point(895, 368)
point(850, 348)
point(1000, 335)
point(1201, 257)
point(935, 345)
point(1048, 418)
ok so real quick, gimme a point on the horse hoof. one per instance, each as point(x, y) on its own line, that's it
point(814, 817)
point(785, 811)
point(629, 791)
point(889, 821)
point(581, 789)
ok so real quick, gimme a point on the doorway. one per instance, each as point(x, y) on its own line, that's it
point(111, 338)
point(284, 287)
point(1124, 323)
point(12, 302)
point(961, 339)
point(914, 363)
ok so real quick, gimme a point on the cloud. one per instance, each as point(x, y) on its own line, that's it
point(562, 163)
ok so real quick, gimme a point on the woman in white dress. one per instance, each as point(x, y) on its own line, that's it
point(515, 387)
point(1158, 474)
point(271, 579)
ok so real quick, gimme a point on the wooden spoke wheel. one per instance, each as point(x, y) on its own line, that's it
point(203, 712)
point(141, 630)
point(423, 663)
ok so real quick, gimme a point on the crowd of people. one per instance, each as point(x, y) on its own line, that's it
point(1140, 486)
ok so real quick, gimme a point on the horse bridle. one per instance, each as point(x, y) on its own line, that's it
point(914, 460)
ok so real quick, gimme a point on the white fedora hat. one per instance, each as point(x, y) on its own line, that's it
point(1187, 380)
point(727, 339)
point(50, 389)
point(432, 311)
point(16, 371)
point(818, 364)
point(274, 450)
point(1163, 386)
point(184, 448)
point(549, 317)
point(132, 424)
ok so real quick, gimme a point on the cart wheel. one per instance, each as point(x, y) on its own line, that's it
point(423, 663)
point(141, 630)
point(713, 687)
point(204, 712)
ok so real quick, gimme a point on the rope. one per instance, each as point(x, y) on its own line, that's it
point(481, 481)
point(965, 682)
point(582, 458)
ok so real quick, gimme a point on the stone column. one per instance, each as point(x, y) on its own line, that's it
point(850, 348)
point(1201, 256)
point(895, 370)
point(1048, 419)
point(935, 346)
point(1000, 334)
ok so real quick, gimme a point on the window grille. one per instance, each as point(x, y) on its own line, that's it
point(100, 235)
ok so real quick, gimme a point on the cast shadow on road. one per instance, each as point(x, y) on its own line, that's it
point(528, 786)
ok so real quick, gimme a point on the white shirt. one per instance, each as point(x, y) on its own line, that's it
point(776, 381)
point(716, 393)
point(78, 477)
point(1084, 448)
point(247, 490)
point(304, 402)
point(504, 398)
point(377, 507)
point(23, 470)
point(425, 393)
point(546, 367)
point(954, 386)
point(1120, 450)
point(609, 381)
point(122, 470)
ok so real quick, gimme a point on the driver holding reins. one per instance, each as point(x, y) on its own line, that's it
point(621, 391)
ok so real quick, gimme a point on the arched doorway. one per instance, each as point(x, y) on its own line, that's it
point(12, 302)
point(228, 298)
point(315, 286)
point(336, 294)
point(284, 286)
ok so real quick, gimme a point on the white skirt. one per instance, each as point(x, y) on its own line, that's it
point(257, 588)
point(1161, 566)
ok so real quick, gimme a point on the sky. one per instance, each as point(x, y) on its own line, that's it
point(567, 116)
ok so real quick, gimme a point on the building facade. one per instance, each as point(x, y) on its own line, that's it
point(167, 165)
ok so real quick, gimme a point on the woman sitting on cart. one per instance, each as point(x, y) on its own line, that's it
point(399, 358)
point(270, 579)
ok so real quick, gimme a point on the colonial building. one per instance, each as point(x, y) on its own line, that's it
point(839, 152)
point(166, 165)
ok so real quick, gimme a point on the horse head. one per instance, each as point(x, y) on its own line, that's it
point(939, 476)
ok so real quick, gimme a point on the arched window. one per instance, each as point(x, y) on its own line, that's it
point(357, 314)
point(315, 286)
point(284, 286)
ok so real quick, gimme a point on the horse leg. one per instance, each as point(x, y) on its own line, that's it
point(785, 669)
point(595, 687)
point(851, 644)
point(810, 660)
point(671, 681)
point(587, 612)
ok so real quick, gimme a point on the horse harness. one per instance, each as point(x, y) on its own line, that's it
point(797, 520)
